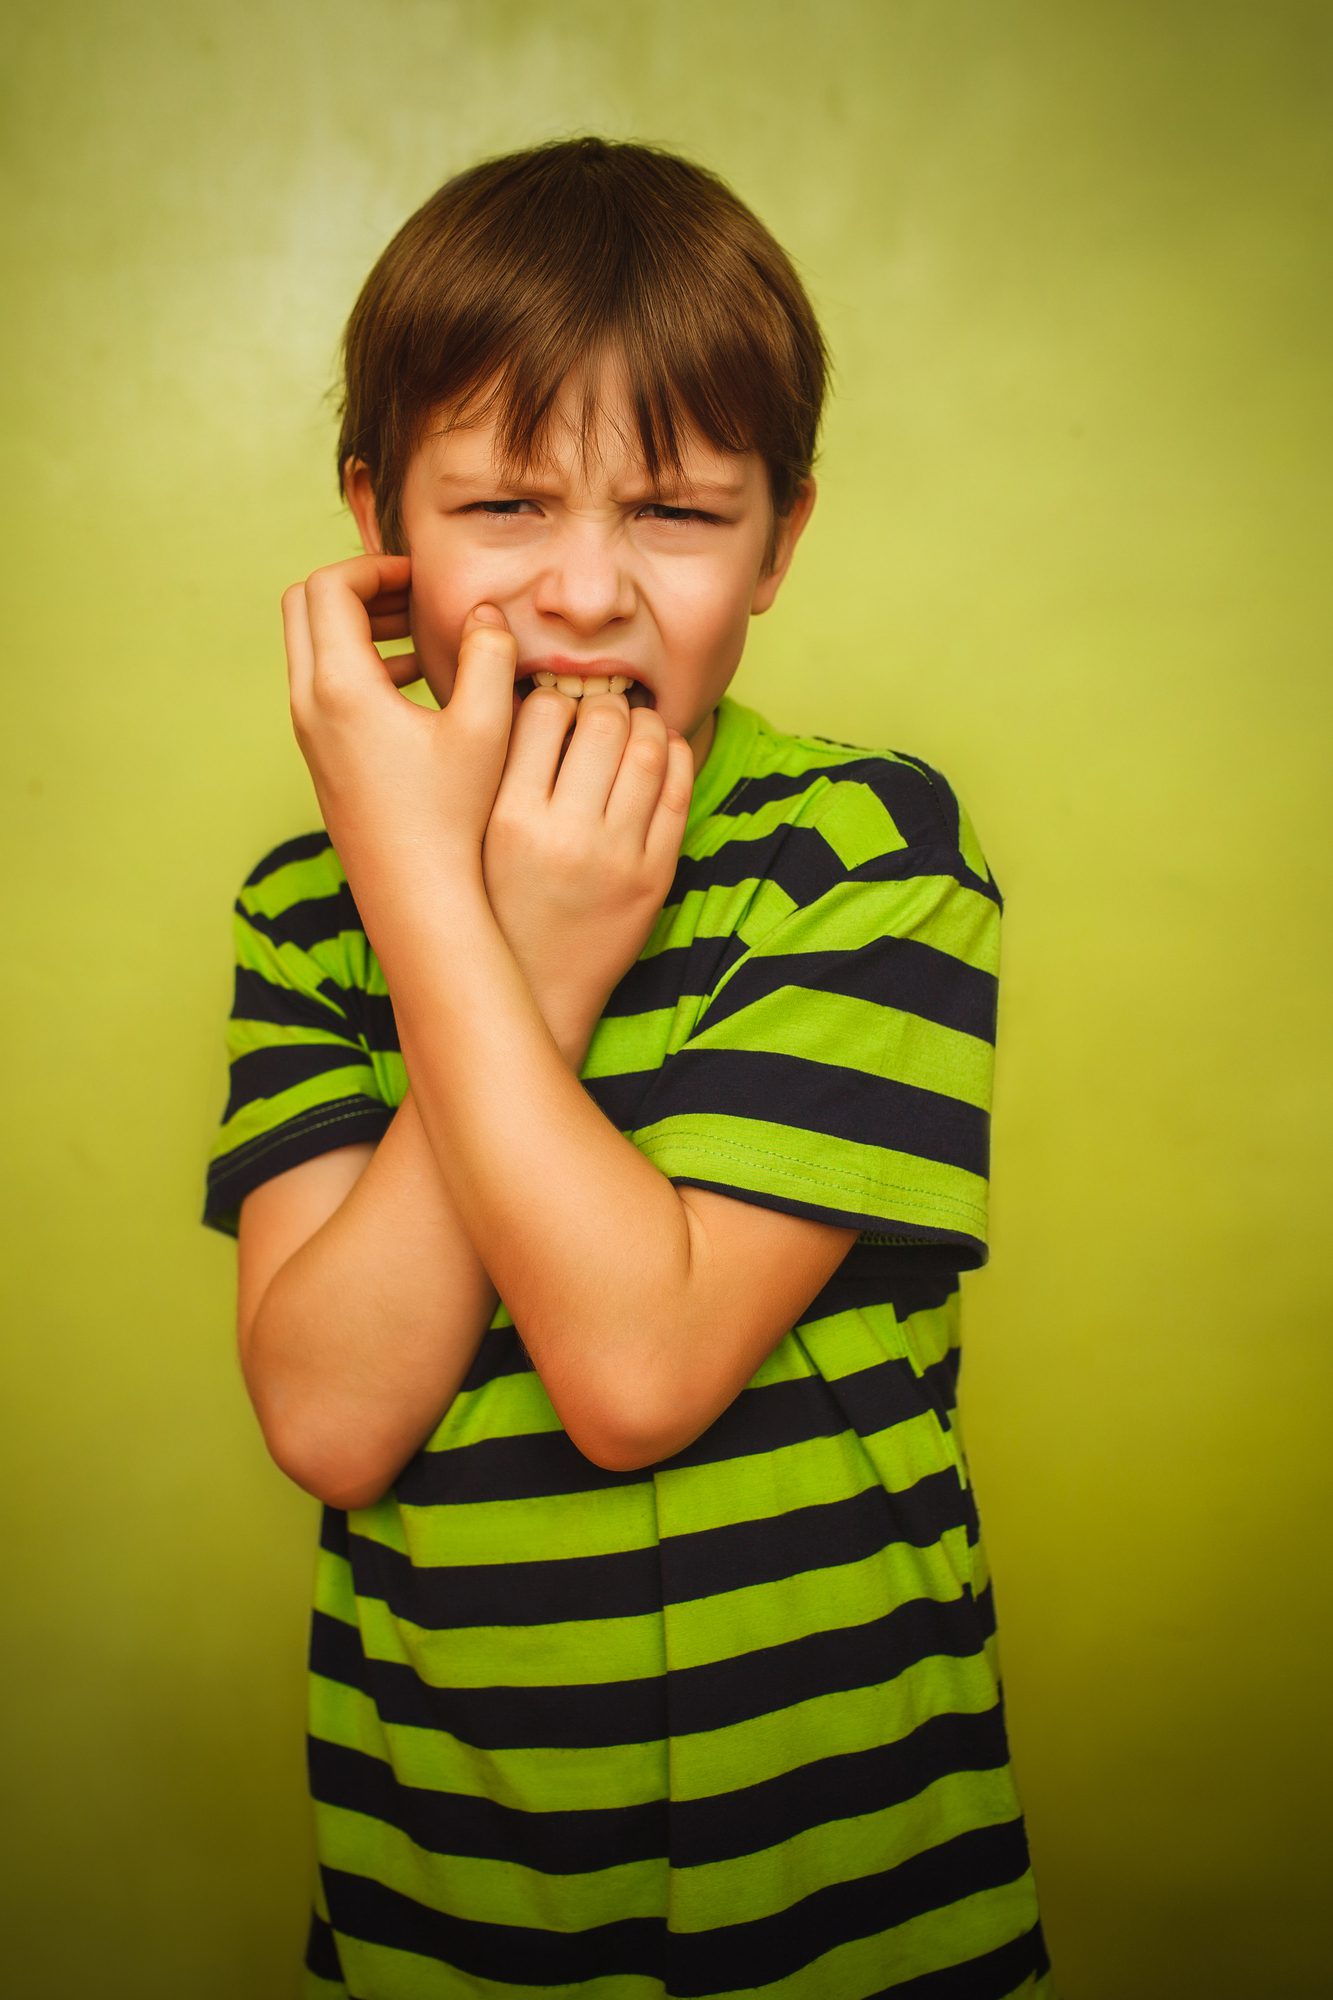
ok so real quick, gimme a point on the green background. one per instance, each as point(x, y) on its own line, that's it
point(1071, 546)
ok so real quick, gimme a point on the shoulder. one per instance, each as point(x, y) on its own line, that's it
point(310, 853)
point(298, 894)
point(866, 801)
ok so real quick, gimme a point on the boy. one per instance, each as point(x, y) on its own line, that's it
point(608, 1130)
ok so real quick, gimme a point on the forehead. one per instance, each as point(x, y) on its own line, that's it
point(463, 447)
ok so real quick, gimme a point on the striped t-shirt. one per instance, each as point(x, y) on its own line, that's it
point(731, 1723)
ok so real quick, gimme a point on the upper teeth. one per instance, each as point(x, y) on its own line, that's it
point(576, 685)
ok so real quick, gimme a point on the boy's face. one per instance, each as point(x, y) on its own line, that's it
point(589, 565)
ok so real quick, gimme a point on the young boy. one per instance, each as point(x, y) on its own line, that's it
point(608, 1129)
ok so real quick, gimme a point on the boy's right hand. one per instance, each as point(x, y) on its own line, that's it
point(579, 856)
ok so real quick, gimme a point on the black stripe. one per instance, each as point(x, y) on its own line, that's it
point(748, 1955)
point(680, 972)
point(816, 1097)
point(764, 1418)
point(678, 1569)
point(833, 1788)
point(833, 1662)
point(318, 1130)
point(827, 1534)
point(499, 1353)
point(910, 862)
point(535, 1464)
point(509, 1954)
point(590, 1715)
point(899, 782)
point(311, 921)
point(379, 1023)
point(903, 973)
point(255, 998)
point(261, 1073)
point(552, 1843)
point(690, 1832)
point(996, 1975)
point(321, 1950)
point(303, 847)
point(909, 1278)
point(565, 1717)
point(745, 1955)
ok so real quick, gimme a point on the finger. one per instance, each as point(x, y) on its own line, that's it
point(385, 629)
point(593, 759)
point(403, 669)
point(642, 769)
point(638, 780)
point(666, 830)
point(545, 718)
point(337, 604)
point(300, 649)
point(482, 696)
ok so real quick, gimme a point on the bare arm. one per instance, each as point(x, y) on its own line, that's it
point(476, 852)
point(354, 1344)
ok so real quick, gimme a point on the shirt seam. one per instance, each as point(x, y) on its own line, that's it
point(830, 1177)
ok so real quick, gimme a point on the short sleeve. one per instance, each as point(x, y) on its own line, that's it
point(842, 1069)
point(301, 1078)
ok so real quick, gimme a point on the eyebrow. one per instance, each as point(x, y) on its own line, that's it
point(722, 489)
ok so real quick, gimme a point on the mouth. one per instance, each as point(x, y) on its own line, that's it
point(636, 694)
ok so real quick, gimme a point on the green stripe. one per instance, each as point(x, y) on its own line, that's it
point(753, 1886)
point(789, 1160)
point(264, 1116)
point(603, 1522)
point(768, 1746)
point(403, 1975)
point(693, 1497)
point(486, 1891)
point(853, 1034)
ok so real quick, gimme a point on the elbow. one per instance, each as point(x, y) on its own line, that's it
point(321, 1461)
point(617, 1440)
point(317, 1448)
point(334, 1483)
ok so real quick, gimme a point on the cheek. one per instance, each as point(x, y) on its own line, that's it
point(709, 617)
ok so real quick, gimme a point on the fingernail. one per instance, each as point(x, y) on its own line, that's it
point(488, 614)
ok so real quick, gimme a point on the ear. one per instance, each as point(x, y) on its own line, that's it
point(790, 529)
point(360, 495)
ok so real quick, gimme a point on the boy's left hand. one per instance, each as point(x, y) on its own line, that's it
point(405, 791)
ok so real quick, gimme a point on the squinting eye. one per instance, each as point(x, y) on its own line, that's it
point(498, 510)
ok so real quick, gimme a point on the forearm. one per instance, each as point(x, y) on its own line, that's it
point(366, 1333)
point(588, 1243)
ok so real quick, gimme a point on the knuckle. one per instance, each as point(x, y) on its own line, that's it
point(566, 849)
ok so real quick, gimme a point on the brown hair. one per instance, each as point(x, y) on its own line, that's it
point(522, 267)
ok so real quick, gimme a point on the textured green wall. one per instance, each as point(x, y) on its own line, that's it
point(1074, 267)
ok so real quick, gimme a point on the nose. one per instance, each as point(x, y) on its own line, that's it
point(585, 579)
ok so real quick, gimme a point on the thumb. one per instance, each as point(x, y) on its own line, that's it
point(487, 614)
point(484, 683)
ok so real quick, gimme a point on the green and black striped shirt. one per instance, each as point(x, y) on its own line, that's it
point(731, 1723)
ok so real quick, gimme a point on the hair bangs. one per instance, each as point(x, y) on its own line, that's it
point(564, 261)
